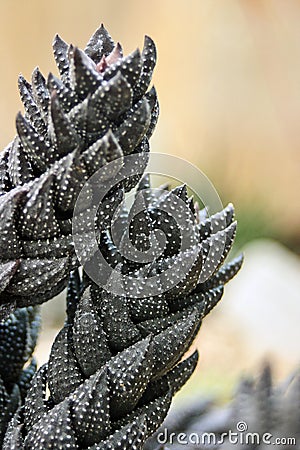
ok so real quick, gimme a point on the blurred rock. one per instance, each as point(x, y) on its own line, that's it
point(265, 300)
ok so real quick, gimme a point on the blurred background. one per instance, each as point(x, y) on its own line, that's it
point(228, 80)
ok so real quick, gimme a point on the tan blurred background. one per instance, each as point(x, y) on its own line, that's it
point(228, 79)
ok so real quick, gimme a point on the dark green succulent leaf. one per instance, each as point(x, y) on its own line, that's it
point(3, 395)
point(142, 150)
point(110, 100)
point(32, 111)
point(173, 380)
point(6, 414)
point(99, 45)
point(53, 431)
point(155, 326)
point(83, 74)
point(10, 244)
point(167, 350)
point(154, 413)
point(7, 271)
point(69, 180)
point(129, 437)
point(35, 146)
point(74, 291)
point(19, 165)
point(66, 97)
point(57, 247)
point(129, 66)
point(35, 403)
point(110, 251)
point(18, 335)
point(64, 374)
point(43, 295)
point(37, 216)
point(132, 130)
point(127, 386)
point(78, 115)
point(88, 332)
point(179, 274)
point(215, 249)
point(62, 133)
point(5, 183)
point(60, 49)
point(40, 92)
point(143, 308)
point(13, 436)
point(108, 206)
point(151, 95)
point(120, 330)
point(32, 273)
point(99, 154)
point(13, 343)
point(90, 409)
point(216, 222)
point(224, 274)
point(148, 64)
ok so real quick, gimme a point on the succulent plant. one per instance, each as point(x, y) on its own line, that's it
point(98, 111)
point(115, 365)
point(258, 409)
point(150, 274)
point(18, 335)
